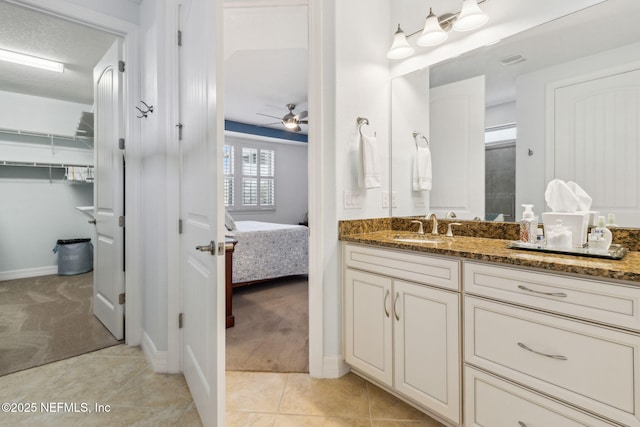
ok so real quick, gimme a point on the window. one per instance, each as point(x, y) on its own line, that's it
point(228, 167)
point(254, 186)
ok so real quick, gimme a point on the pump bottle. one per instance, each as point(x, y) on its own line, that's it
point(528, 225)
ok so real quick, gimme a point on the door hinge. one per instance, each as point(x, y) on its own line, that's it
point(180, 320)
point(179, 226)
point(179, 38)
point(179, 126)
point(121, 221)
point(121, 66)
point(121, 299)
point(121, 143)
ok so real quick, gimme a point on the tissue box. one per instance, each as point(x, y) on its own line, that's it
point(593, 217)
point(577, 222)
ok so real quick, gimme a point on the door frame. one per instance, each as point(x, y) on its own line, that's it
point(130, 34)
point(318, 366)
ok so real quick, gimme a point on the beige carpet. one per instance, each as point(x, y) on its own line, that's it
point(48, 318)
point(271, 333)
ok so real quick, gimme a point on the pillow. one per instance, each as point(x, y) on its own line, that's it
point(228, 221)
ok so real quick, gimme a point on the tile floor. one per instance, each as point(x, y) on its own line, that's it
point(121, 378)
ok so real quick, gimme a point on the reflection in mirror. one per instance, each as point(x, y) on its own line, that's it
point(572, 93)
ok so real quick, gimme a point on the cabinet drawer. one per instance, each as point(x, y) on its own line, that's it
point(594, 300)
point(590, 366)
point(496, 403)
point(424, 269)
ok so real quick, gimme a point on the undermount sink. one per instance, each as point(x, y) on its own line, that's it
point(417, 238)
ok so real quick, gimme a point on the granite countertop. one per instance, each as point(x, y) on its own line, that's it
point(496, 250)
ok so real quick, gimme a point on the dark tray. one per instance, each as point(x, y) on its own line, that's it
point(614, 252)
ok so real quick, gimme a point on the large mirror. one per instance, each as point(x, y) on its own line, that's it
point(561, 100)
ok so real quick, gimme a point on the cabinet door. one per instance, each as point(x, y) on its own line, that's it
point(427, 349)
point(367, 309)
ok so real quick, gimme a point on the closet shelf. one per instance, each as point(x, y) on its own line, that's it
point(50, 137)
point(44, 165)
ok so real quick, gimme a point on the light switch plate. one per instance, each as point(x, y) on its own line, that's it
point(385, 199)
point(418, 202)
point(352, 200)
point(394, 199)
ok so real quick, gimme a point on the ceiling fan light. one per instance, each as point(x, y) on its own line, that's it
point(290, 123)
point(31, 61)
point(471, 17)
point(400, 47)
point(432, 34)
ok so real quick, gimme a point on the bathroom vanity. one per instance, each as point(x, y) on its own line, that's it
point(478, 334)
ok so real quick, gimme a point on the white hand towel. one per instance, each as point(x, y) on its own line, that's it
point(370, 162)
point(422, 169)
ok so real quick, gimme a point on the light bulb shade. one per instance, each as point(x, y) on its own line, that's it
point(400, 47)
point(471, 17)
point(432, 34)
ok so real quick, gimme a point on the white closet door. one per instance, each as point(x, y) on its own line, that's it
point(457, 148)
point(595, 141)
point(108, 276)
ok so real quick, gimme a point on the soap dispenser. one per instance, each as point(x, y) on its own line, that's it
point(600, 236)
point(528, 225)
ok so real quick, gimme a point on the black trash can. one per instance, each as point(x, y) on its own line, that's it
point(75, 256)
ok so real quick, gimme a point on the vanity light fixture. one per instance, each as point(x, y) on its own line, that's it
point(435, 29)
point(471, 17)
point(31, 61)
point(400, 47)
point(432, 34)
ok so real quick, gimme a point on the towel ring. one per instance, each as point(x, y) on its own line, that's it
point(361, 122)
point(415, 134)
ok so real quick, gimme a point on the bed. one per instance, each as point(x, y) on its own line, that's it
point(267, 250)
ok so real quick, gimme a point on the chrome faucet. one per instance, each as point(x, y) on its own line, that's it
point(450, 215)
point(432, 217)
point(420, 229)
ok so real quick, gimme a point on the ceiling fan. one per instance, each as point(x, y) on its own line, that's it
point(290, 121)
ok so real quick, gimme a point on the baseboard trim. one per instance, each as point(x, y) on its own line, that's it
point(335, 367)
point(157, 358)
point(28, 272)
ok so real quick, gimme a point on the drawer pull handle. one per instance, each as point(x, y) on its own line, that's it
point(552, 356)
point(521, 424)
point(551, 294)
point(386, 298)
point(395, 306)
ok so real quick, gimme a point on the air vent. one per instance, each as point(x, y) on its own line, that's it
point(512, 59)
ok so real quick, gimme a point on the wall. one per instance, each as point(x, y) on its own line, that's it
point(154, 165)
point(291, 181)
point(531, 104)
point(500, 114)
point(35, 212)
point(355, 82)
point(363, 88)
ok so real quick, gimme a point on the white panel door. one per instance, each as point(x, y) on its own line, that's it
point(427, 347)
point(368, 333)
point(596, 141)
point(201, 149)
point(457, 148)
point(108, 194)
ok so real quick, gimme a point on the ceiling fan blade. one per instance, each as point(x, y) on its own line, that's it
point(267, 115)
point(271, 124)
point(301, 115)
point(304, 122)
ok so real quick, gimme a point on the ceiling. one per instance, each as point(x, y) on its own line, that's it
point(77, 46)
point(265, 65)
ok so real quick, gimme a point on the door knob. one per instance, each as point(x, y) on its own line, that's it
point(211, 248)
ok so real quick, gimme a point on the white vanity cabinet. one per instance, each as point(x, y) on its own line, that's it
point(559, 339)
point(401, 324)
